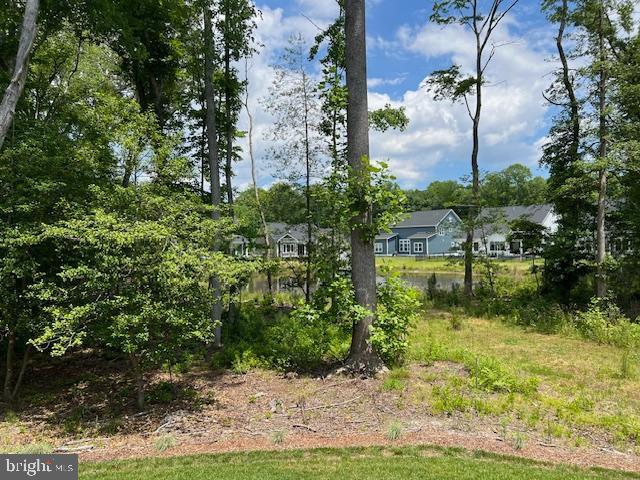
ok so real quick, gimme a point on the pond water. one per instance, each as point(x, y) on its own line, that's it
point(444, 281)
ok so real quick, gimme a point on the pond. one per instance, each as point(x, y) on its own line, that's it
point(444, 281)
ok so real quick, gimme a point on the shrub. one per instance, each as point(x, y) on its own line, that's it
point(165, 442)
point(394, 431)
point(604, 322)
point(491, 375)
point(278, 437)
point(398, 308)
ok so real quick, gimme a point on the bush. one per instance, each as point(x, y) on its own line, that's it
point(398, 308)
point(604, 322)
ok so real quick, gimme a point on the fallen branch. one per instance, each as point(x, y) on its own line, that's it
point(164, 425)
point(332, 405)
point(301, 425)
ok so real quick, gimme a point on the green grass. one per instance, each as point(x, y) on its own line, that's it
point(348, 464)
point(513, 267)
point(556, 384)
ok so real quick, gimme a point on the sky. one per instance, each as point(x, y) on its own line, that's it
point(403, 49)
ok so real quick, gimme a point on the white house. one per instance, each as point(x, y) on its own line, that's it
point(491, 236)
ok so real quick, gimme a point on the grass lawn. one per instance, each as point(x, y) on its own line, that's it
point(557, 385)
point(514, 267)
point(346, 464)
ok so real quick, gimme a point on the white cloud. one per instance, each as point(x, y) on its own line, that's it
point(379, 82)
point(439, 133)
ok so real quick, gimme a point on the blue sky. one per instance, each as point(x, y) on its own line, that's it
point(403, 48)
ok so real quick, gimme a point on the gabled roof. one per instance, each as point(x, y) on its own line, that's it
point(386, 236)
point(421, 235)
point(299, 233)
point(426, 218)
point(497, 219)
point(533, 213)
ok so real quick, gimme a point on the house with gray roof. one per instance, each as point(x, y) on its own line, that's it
point(292, 241)
point(426, 233)
point(491, 235)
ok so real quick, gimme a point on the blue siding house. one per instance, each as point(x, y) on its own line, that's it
point(427, 233)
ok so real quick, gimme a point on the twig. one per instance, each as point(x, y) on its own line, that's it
point(167, 424)
point(340, 404)
point(336, 384)
point(301, 425)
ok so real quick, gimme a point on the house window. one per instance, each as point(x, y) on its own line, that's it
point(378, 247)
point(496, 246)
point(441, 230)
point(405, 246)
point(418, 247)
point(288, 248)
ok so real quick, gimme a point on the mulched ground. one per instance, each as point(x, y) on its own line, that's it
point(214, 412)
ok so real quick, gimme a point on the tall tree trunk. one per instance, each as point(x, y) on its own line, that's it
point(23, 368)
point(307, 189)
point(214, 171)
point(254, 173)
point(362, 355)
point(475, 174)
point(138, 379)
point(568, 84)
point(21, 68)
point(8, 379)
point(601, 280)
point(228, 167)
point(254, 176)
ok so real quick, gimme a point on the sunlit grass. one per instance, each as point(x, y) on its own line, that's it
point(344, 464)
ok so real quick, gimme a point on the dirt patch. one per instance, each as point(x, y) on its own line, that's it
point(215, 412)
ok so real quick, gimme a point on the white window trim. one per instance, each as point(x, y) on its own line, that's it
point(378, 248)
point(289, 248)
point(416, 249)
point(405, 246)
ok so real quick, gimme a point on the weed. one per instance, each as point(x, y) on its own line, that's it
point(395, 380)
point(626, 365)
point(11, 417)
point(164, 443)
point(394, 431)
point(392, 384)
point(518, 441)
point(455, 320)
point(278, 437)
point(449, 400)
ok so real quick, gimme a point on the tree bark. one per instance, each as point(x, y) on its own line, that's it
point(475, 172)
point(23, 368)
point(362, 356)
point(254, 174)
point(601, 253)
point(21, 68)
point(139, 381)
point(8, 379)
point(214, 171)
point(307, 188)
point(568, 84)
point(228, 168)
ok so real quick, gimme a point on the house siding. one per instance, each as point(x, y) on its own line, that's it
point(433, 244)
point(441, 244)
point(393, 246)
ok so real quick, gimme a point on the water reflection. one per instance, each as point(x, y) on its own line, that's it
point(420, 280)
